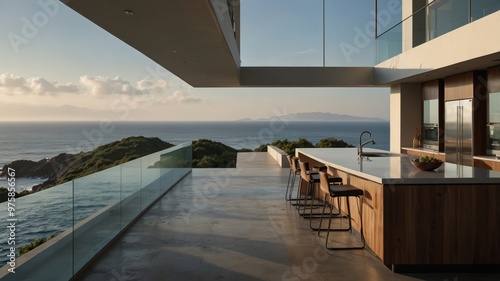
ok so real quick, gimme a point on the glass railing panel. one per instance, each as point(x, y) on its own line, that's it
point(419, 26)
point(482, 8)
point(130, 191)
point(41, 215)
point(389, 14)
point(87, 213)
point(446, 15)
point(430, 22)
point(390, 43)
point(349, 33)
point(179, 162)
point(281, 33)
point(97, 213)
point(150, 185)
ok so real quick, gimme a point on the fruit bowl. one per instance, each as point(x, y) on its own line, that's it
point(427, 166)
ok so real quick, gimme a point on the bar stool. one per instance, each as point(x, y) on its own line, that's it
point(337, 191)
point(292, 176)
point(311, 178)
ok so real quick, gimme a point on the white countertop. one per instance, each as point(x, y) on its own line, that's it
point(397, 169)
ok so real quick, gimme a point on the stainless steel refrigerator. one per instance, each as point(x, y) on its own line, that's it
point(458, 132)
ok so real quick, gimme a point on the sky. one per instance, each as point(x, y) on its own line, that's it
point(57, 65)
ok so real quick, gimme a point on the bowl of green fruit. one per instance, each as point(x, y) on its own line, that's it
point(426, 163)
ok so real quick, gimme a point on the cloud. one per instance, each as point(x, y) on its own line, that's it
point(142, 91)
point(179, 97)
point(145, 90)
point(153, 86)
point(12, 84)
point(105, 86)
point(102, 86)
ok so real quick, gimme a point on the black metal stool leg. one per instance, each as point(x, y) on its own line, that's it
point(347, 229)
point(290, 199)
point(288, 184)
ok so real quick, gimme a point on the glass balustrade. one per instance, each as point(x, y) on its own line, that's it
point(433, 20)
point(390, 43)
point(88, 213)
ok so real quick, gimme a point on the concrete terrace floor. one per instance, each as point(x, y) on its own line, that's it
point(234, 224)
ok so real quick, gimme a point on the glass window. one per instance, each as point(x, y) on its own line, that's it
point(431, 111)
point(388, 14)
point(349, 33)
point(281, 33)
point(494, 108)
point(445, 16)
point(482, 8)
point(390, 43)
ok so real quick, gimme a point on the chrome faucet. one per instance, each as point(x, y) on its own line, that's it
point(360, 146)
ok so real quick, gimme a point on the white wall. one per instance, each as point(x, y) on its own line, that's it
point(406, 114)
point(278, 155)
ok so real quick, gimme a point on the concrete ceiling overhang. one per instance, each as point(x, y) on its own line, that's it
point(194, 40)
point(184, 36)
point(307, 76)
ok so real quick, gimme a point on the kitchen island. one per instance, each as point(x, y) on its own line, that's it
point(415, 220)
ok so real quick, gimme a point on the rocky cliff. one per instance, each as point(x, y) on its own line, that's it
point(65, 167)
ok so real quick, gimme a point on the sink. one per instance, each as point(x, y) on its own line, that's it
point(377, 154)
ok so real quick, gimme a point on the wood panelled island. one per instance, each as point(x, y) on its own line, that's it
point(415, 220)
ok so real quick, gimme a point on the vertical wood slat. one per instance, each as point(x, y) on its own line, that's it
point(442, 224)
point(430, 90)
point(494, 79)
point(479, 130)
point(373, 223)
point(372, 208)
point(458, 87)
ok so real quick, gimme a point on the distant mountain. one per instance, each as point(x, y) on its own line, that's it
point(51, 113)
point(321, 117)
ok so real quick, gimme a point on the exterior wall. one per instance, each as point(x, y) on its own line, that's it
point(406, 114)
point(407, 10)
point(278, 155)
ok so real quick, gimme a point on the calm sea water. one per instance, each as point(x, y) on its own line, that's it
point(35, 141)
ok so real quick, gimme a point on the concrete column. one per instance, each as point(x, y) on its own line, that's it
point(407, 28)
point(406, 114)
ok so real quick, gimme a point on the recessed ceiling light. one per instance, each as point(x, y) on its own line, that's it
point(129, 12)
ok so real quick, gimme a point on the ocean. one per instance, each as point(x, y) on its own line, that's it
point(38, 140)
point(35, 141)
